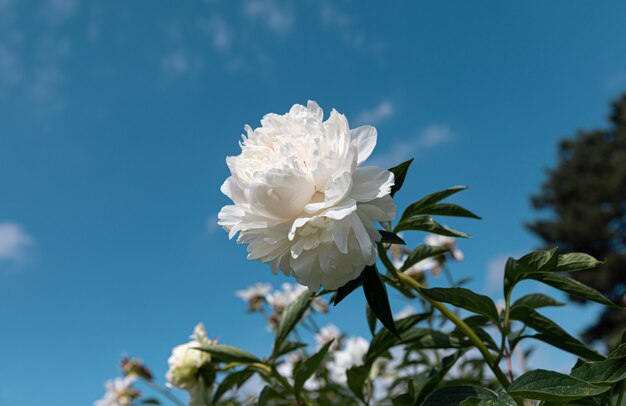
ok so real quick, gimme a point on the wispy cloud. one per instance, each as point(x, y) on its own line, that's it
point(429, 137)
point(616, 81)
point(211, 223)
point(175, 63)
point(219, 31)
point(277, 17)
point(384, 110)
point(495, 272)
point(58, 11)
point(14, 243)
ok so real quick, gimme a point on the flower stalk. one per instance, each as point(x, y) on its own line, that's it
point(449, 314)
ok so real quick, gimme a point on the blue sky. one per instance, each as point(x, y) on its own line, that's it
point(116, 117)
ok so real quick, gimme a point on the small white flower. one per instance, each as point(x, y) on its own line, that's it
point(426, 264)
point(186, 361)
point(254, 295)
point(302, 202)
point(279, 299)
point(406, 312)
point(435, 240)
point(327, 333)
point(119, 392)
point(287, 367)
point(353, 353)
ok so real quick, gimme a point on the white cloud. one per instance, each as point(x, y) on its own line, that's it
point(58, 11)
point(616, 81)
point(175, 63)
point(429, 137)
point(278, 18)
point(14, 242)
point(495, 272)
point(384, 110)
point(10, 72)
point(211, 223)
point(219, 31)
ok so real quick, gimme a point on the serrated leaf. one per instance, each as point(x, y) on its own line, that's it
point(422, 252)
point(399, 173)
point(552, 333)
point(228, 353)
point(465, 299)
point(572, 287)
point(346, 289)
point(390, 237)
point(233, 380)
point(576, 261)
point(551, 386)
point(307, 368)
point(376, 296)
point(453, 395)
point(535, 301)
point(291, 316)
point(605, 372)
point(426, 223)
point(430, 200)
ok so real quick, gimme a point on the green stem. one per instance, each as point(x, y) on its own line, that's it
point(164, 392)
point(620, 398)
point(449, 314)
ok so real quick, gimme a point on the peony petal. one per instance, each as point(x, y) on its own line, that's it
point(230, 217)
point(370, 182)
point(315, 110)
point(338, 189)
point(383, 209)
point(364, 138)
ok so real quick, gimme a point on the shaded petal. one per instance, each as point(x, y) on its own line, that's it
point(370, 183)
point(364, 138)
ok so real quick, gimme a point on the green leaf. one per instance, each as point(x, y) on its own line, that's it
point(465, 299)
point(572, 287)
point(384, 339)
point(267, 395)
point(376, 296)
point(423, 338)
point(576, 261)
point(426, 223)
point(288, 346)
point(228, 353)
point(390, 237)
point(356, 377)
point(504, 399)
point(436, 375)
point(535, 301)
point(308, 367)
point(552, 386)
point(346, 289)
point(444, 209)
point(619, 352)
point(422, 252)
point(539, 261)
point(233, 380)
point(552, 333)
point(453, 395)
point(291, 316)
point(371, 319)
point(603, 372)
point(430, 200)
point(399, 173)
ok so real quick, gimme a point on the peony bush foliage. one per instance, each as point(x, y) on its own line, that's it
point(306, 203)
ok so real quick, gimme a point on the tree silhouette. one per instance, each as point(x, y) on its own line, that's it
point(586, 198)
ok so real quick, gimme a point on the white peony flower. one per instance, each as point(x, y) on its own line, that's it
point(186, 361)
point(352, 353)
point(119, 392)
point(279, 299)
point(327, 333)
point(302, 202)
